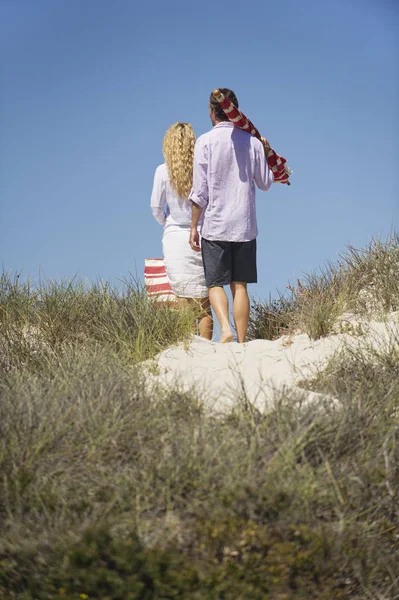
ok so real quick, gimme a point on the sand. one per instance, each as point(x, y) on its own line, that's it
point(220, 373)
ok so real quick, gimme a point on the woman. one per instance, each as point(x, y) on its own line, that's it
point(170, 207)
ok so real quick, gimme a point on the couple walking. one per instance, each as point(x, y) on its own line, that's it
point(204, 196)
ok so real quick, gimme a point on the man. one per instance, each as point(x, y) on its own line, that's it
point(228, 162)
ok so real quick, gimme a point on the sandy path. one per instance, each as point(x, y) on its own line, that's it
point(219, 371)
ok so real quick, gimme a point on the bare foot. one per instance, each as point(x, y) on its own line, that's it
point(225, 338)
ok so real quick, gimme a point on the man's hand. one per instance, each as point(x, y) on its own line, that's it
point(266, 145)
point(194, 239)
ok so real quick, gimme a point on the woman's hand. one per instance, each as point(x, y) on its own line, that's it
point(194, 239)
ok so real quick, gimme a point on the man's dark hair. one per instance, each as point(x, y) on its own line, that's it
point(215, 106)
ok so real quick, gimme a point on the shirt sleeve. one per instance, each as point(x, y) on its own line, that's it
point(263, 174)
point(199, 191)
point(158, 197)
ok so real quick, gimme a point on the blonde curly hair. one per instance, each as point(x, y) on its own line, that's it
point(178, 151)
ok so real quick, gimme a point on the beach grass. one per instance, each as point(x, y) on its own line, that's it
point(115, 491)
point(38, 320)
point(363, 281)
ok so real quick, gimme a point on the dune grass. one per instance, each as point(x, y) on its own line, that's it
point(365, 282)
point(38, 320)
point(113, 492)
point(110, 490)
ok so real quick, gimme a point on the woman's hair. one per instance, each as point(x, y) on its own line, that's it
point(178, 151)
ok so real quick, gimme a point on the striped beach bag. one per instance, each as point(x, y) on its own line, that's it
point(156, 281)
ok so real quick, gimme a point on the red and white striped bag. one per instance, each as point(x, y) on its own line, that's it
point(156, 280)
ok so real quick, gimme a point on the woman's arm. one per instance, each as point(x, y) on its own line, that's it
point(158, 197)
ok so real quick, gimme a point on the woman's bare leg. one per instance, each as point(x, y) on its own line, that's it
point(241, 307)
point(183, 302)
point(205, 320)
point(220, 304)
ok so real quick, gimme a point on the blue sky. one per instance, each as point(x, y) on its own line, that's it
point(90, 87)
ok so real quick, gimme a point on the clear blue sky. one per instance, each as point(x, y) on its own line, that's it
point(89, 88)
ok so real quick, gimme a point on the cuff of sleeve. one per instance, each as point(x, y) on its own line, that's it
point(198, 200)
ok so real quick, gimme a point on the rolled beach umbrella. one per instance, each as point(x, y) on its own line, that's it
point(276, 162)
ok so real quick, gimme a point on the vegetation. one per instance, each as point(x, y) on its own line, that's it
point(112, 491)
point(365, 282)
point(38, 321)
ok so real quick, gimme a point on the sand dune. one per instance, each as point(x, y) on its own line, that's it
point(220, 372)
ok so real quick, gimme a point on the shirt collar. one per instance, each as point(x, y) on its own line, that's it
point(224, 124)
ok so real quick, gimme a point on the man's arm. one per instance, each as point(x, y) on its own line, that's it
point(199, 192)
point(263, 174)
point(194, 235)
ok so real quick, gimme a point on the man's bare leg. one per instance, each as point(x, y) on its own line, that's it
point(220, 305)
point(241, 308)
point(205, 320)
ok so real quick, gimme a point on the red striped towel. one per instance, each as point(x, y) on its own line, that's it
point(156, 280)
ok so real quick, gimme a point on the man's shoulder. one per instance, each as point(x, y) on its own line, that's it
point(204, 138)
point(212, 134)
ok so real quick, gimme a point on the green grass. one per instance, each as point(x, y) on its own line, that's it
point(365, 282)
point(109, 490)
point(38, 320)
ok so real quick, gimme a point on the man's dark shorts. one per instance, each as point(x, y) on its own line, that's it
point(225, 262)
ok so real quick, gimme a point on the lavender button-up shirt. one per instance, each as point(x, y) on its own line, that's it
point(227, 163)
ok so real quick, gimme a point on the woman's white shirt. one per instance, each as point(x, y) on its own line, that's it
point(167, 208)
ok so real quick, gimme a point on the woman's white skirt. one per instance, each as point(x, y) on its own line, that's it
point(183, 265)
